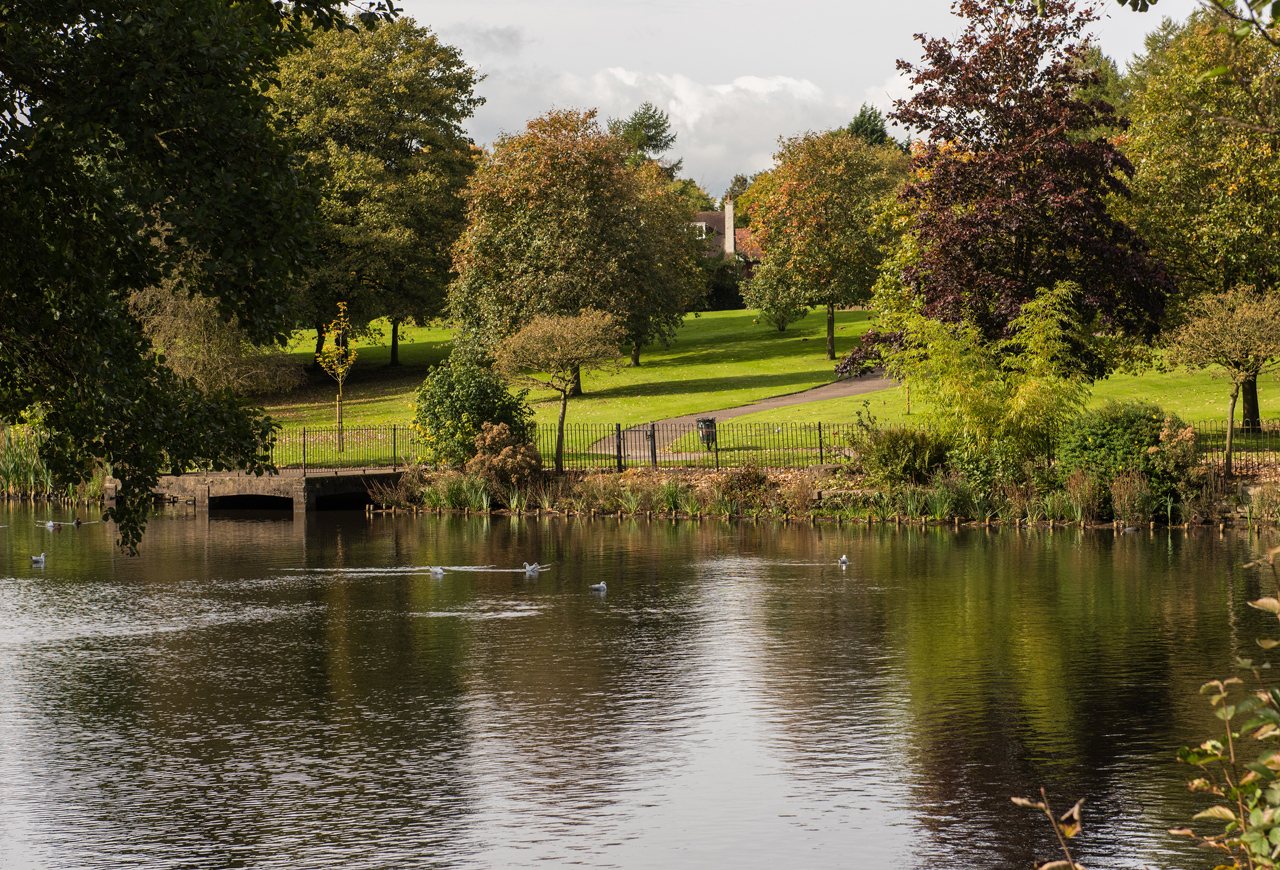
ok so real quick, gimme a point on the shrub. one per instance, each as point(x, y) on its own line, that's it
point(748, 485)
point(503, 460)
point(456, 400)
point(1131, 437)
point(1266, 503)
point(892, 455)
point(1085, 495)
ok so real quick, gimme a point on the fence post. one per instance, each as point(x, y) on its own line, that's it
point(653, 443)
point(821, 456)
point(304, 451)
point(717, 454)
point(617, 430)
point(394, 463)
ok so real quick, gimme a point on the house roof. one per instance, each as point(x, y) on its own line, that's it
point(713, 219)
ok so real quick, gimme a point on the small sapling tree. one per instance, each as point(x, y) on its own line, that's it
point(338, 359)
point(549, 351)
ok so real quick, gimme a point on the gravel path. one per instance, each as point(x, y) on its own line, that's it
point(636, 445)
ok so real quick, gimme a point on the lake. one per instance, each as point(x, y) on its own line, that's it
point(254, 691)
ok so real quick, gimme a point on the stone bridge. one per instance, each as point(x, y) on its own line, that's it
point(291, 488)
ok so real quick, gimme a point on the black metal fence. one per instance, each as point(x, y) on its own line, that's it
point(355, 447)
point(704, 444)
point(1252, 448)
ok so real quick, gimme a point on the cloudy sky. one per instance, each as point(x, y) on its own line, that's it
point(733, 76)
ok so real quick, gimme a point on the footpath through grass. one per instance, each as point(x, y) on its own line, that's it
point(720, 359)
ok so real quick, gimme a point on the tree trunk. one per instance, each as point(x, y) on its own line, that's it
point(831, 330)
point(564, 406)
point(635, 354)
point(395, 343)
point(575, 388)
point(1231, 431)
point(315, 363)
point(1251, 413)
point(341, 445)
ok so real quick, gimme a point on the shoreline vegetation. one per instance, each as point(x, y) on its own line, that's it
point(790, 496)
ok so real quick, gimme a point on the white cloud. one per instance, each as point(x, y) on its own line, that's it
point(721, 127)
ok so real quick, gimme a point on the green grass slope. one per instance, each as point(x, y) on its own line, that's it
point(719, 359)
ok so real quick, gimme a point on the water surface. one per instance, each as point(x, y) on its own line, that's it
point(251, 691)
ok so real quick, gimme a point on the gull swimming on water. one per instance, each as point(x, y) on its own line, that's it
point(598, 587)
point(534, 569)
point(843, 561)
point(435, 571)
point(38, 561)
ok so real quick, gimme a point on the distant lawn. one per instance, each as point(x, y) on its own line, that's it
point(719, 359)
point(1195, 397)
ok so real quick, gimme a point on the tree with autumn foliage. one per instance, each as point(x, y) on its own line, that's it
point(1206, 148)
point(561, 221)
point(1010, 191)
point(814, 225)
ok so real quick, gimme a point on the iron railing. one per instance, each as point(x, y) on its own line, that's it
point(611, 446)
point(1252, 448)
point(319, 447)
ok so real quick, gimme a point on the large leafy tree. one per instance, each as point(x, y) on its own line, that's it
point(1207, 153)
point(136, 137)
point(1010, 194)
point(560, 221)
point(815, 224)
point(377, 115)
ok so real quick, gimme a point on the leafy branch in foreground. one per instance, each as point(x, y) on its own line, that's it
point(1065, 827)
point(1241, 771)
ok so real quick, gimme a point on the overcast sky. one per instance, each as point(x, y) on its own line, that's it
point(733, 76)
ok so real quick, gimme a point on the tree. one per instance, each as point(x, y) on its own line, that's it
point(197, 344)
point(868, 125)
point(647, 134)
point(377, 115)
point(1010, 397)
point(551, 351)
point(1235, 333)
point(815, 225)
point(338, 360)
point(559, 222)
point(1009, 194)
point(738, 185)
point(1206, 191)
point(135, 137)
point(1248, 17)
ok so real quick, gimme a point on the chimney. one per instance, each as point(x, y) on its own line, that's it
point(729, 247)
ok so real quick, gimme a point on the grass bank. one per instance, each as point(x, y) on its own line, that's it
point(720, 359)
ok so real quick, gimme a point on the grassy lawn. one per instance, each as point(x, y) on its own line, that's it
point(1195, 397)
point(720, 359)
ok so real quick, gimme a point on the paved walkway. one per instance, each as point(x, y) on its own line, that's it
point(636, 447)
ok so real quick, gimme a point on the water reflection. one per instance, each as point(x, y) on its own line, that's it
point(272, 693)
